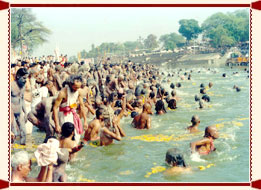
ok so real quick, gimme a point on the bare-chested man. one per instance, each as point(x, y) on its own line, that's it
point(41, 116)
point(143, 121)
point(65, 106)
point(195, 123)
point(111, 129)
point(18, 104)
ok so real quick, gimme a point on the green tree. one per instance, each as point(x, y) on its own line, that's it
point(151, 42)
point(26, 30)
point(189, 28)
point(227, 29)
point(171, 41)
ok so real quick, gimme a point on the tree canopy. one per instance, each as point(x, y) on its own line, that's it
point(26, 30)
point(171, 41)
point(189, 28)
point(151, 42)
point(227, 29)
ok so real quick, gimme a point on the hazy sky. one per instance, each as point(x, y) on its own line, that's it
point(75, 29)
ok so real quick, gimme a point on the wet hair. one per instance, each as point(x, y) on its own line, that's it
point(202, 91)
point(238, 89)
point(67, 130)
point(172, 104)
point(173, 93)
point(175, 158)
point(202, 85)
point(224, 75)
point(178, 84)
point(71, 79)
point(206, 98)
point(172, 85)
point(20, 73)
point(160, 106)
point(195, 119)
point(133, 114)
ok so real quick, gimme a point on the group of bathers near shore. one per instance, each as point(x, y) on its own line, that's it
point(58, 98)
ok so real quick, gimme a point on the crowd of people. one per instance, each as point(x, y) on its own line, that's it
point(59, 98)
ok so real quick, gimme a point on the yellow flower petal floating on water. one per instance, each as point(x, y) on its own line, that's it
point(81, 179)
point(209, 165)
point(219, 125)
point(127, 172)
point(202, 167)
point(239, 124)
point(243, 118)
point(194, 83)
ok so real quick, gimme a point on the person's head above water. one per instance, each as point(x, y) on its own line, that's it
point(160, 106)
point(67, 130)
point(172, 104)
point(147, 108)
point(211, 131)
point(195, 119)
point(210, 84)
point(175, 158)
point(172, 85)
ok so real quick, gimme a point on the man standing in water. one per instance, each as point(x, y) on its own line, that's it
point(67, 104)
point(143, 121)
point(18, 104)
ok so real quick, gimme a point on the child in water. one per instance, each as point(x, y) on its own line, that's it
point(205, 145)
point(175, 160)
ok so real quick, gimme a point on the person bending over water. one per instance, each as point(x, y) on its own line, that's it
point(175, 160)
point(205, 145)
point(195, 123)
point(143, 121)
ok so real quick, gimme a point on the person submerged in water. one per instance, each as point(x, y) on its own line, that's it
point(195, 123)
point(160, 107)
point(175, 160)
point(205, 145)
point(143, 121)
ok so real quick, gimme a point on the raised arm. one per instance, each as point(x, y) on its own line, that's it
point(193, 145)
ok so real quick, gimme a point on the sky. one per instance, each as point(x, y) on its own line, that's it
point(75, 29)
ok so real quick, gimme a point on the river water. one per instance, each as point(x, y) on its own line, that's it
point(140, 156)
